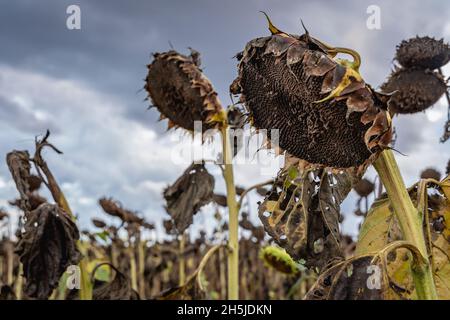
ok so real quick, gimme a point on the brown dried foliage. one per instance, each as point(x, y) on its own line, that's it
point(301, 213)
point(47, 248)
point(188, 194)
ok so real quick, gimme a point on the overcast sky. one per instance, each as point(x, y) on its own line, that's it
point(84, 85)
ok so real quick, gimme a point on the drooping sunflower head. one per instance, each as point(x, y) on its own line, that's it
point(430, 173)
point(415, 89)
point(325, 113)
point(423, 52)
point(181, 92)
point(364, 187)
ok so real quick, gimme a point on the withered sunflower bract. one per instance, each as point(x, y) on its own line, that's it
point(181, 92)
point(325, 112)
point(414, 89)
point(423, 52)
point(188, 194)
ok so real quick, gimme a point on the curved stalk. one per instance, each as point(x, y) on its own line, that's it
point(233, 223)
point(410, 221)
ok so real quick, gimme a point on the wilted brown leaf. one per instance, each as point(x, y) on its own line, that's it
point(188, 194)
point(301, 213)
point(47, 248)
point(117, 289)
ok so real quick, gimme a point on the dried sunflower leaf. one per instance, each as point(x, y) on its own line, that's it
point(19, 165)
point(118, 289)
point(349, 280)
point(381, 227)
point(188, 194)
point(189, 291)
point(303, 215)
point(47, 248)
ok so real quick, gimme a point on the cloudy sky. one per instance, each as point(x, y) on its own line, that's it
point(84, 85)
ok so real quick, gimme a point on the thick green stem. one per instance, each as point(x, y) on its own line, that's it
point(410, 221)
point(233, 223)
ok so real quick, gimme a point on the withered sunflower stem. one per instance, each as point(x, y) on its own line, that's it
point(19, 283)
point(86, 285)
point(410, 221)
point(233, 223)
point(141, 268)
point(133, 271)
point(182, 261)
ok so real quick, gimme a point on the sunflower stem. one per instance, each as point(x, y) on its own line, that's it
point(233, 223)
point(182, 261)
point(410, 221)
point(141, 268)
point(133, 271)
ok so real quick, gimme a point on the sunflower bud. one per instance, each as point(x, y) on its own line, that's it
point(278, 259)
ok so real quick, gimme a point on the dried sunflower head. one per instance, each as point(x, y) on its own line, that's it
point(115, 209)
point(430, 173)
point(364, 187)
point(35, 182)
point(98, 223)
point(325, 112)
point(414, 89)
point(181, 92)
point(423, 52)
